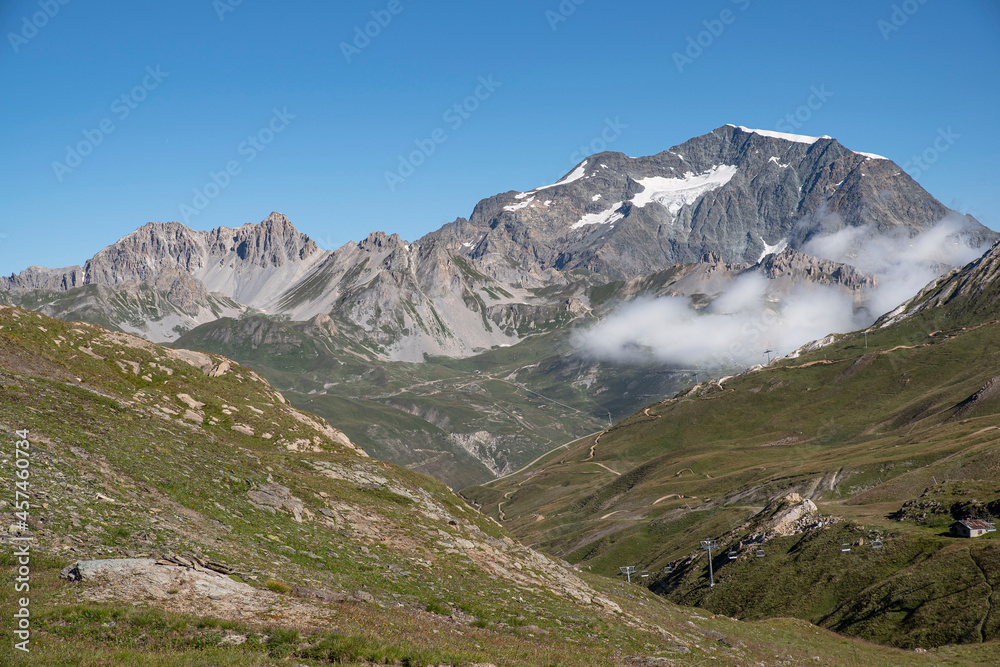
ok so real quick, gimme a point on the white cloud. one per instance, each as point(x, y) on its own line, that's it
point(745, 320)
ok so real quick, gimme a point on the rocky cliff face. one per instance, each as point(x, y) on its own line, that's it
point(250, 263)
point(725, 202)
point(796, 268)
point(971, 290)
point(41, 278)
point(735, 192)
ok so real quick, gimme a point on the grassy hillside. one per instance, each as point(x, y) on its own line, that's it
point(463, 421)
point(139, 451)
point(860, 428)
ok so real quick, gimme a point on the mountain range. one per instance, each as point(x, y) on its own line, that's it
point(489, 308)
point(255, 480)
point(734, 196)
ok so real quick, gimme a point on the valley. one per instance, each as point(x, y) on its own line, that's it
point(448, 449)
point(797, 469)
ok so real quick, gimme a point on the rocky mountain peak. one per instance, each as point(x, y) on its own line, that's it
point(734, 192)
point(381, 242)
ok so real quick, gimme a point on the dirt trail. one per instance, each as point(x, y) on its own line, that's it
point(593, 447)
point(500, 512)
point(989, 598)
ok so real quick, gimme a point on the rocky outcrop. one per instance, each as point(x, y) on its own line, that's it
point(41, 278)
point(798, 268)
point(159, 247)
point(973, 284)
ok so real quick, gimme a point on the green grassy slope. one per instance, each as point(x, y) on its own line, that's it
point(137, 451)
point(861, 430)
point(460, 420)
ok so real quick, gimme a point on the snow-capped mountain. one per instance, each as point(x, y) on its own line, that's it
point(735, 192)
point(522, 262)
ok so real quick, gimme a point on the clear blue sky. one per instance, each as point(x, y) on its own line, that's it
point(224, 68)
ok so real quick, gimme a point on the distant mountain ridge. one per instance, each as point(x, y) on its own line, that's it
point(733, 196)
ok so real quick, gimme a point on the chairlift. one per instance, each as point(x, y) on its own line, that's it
point(733, 553)
point(644, 574)
point(845, 546)
point(668, 568)
point(760, 553)
point(876, 544)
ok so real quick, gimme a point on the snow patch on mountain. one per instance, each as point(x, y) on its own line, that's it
point(772, 249)
point(518, 207)
point(675, 193)
point(604, 217)
point(797, 138)
point(575, 175)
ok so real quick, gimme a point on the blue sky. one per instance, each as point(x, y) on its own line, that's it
point(266, 97)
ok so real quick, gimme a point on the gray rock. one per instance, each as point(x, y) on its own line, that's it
point(274, 497)
point(317, 594)
point(362, 596)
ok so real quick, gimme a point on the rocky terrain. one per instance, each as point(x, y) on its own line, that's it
point(734, 196)
point(836, 469)
point(180, 512)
